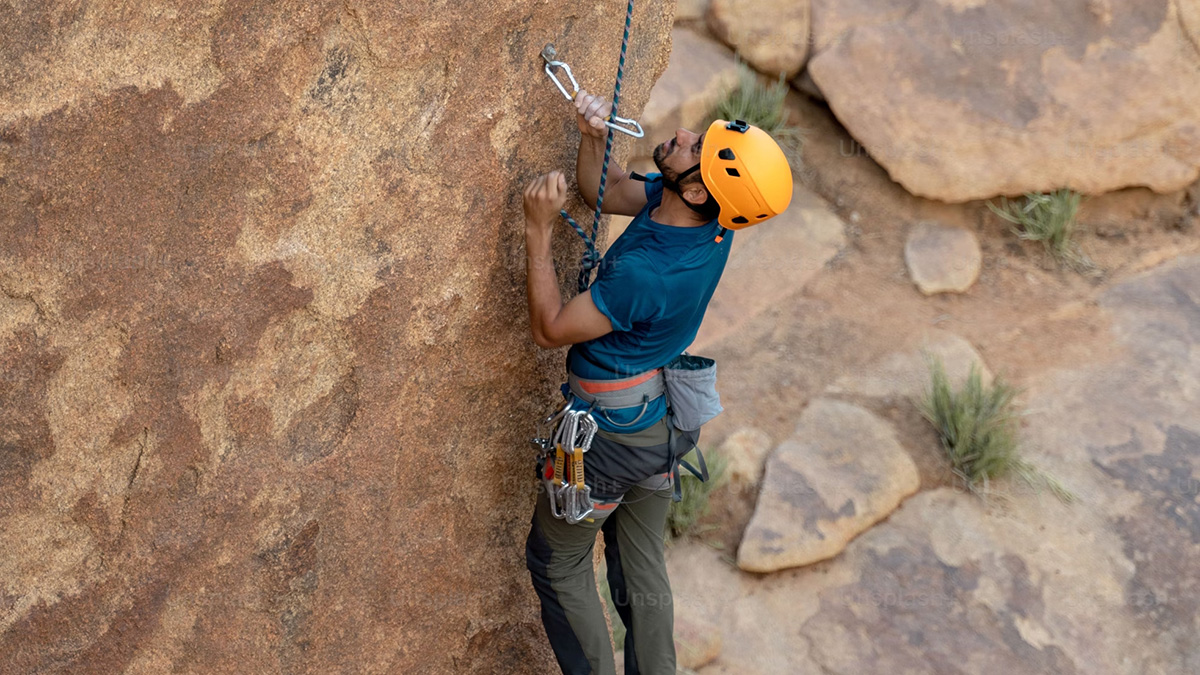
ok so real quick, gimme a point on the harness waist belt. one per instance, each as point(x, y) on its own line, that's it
point(624, 393)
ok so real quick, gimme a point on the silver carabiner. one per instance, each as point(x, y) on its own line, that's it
point(550, 55)
point(568, 428)
point(614, 122)
point(550, 484)
point(579, 504)
point(556, 507)
point(587, 430)
point(544, 442)
point(559, 488)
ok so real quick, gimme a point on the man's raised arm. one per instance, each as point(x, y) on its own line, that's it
point(553, 324)
point(622, 195)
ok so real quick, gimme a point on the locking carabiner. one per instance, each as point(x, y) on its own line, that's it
point(614, 122)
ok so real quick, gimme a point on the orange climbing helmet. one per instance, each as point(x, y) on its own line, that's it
point(746, 171)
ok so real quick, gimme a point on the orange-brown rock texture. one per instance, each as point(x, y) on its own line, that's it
point(266, 382)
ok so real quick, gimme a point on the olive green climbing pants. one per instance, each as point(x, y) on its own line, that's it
point(559, 558)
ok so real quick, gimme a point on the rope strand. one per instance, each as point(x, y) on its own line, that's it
point(591, 257)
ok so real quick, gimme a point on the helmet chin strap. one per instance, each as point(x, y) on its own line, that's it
point(673, 185)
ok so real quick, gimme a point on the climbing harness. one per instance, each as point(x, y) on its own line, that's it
point(564, 437)
point(604, 395)
point(591, 257)
point(689, 384)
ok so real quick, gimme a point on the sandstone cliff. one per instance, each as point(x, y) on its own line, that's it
point(266, 374)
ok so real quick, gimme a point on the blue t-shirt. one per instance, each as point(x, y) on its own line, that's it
point(654, 284)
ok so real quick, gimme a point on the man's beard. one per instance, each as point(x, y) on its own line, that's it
point(670, 179)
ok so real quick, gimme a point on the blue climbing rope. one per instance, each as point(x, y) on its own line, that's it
point(591, 257)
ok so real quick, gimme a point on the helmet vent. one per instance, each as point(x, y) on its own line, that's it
point(740, 220)
point(732, 172)
point(727, 154)
point(762, 215)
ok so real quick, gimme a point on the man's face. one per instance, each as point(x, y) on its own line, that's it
point(679, 154)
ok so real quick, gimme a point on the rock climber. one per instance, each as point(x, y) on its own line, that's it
point(643, 310)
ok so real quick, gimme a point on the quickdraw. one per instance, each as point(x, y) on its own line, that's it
point(567, 429)
point(569, 495)
point(579, 497)
point(615, 122)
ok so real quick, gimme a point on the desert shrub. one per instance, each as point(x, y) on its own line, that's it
point(762, 105)
point(1050, 218)
point(977, 426)
point(694, 494)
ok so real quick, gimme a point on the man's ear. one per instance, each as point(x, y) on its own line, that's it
point(695, 193)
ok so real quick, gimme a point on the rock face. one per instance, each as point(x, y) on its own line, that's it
point(967, 100)
point(771, 35)
point(840, 473)
point(256, 260)
point(942, 259)
point(700, 72)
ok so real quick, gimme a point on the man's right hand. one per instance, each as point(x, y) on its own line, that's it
point(592, 112)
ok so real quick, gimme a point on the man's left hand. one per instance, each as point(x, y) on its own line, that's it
point(544, 197)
